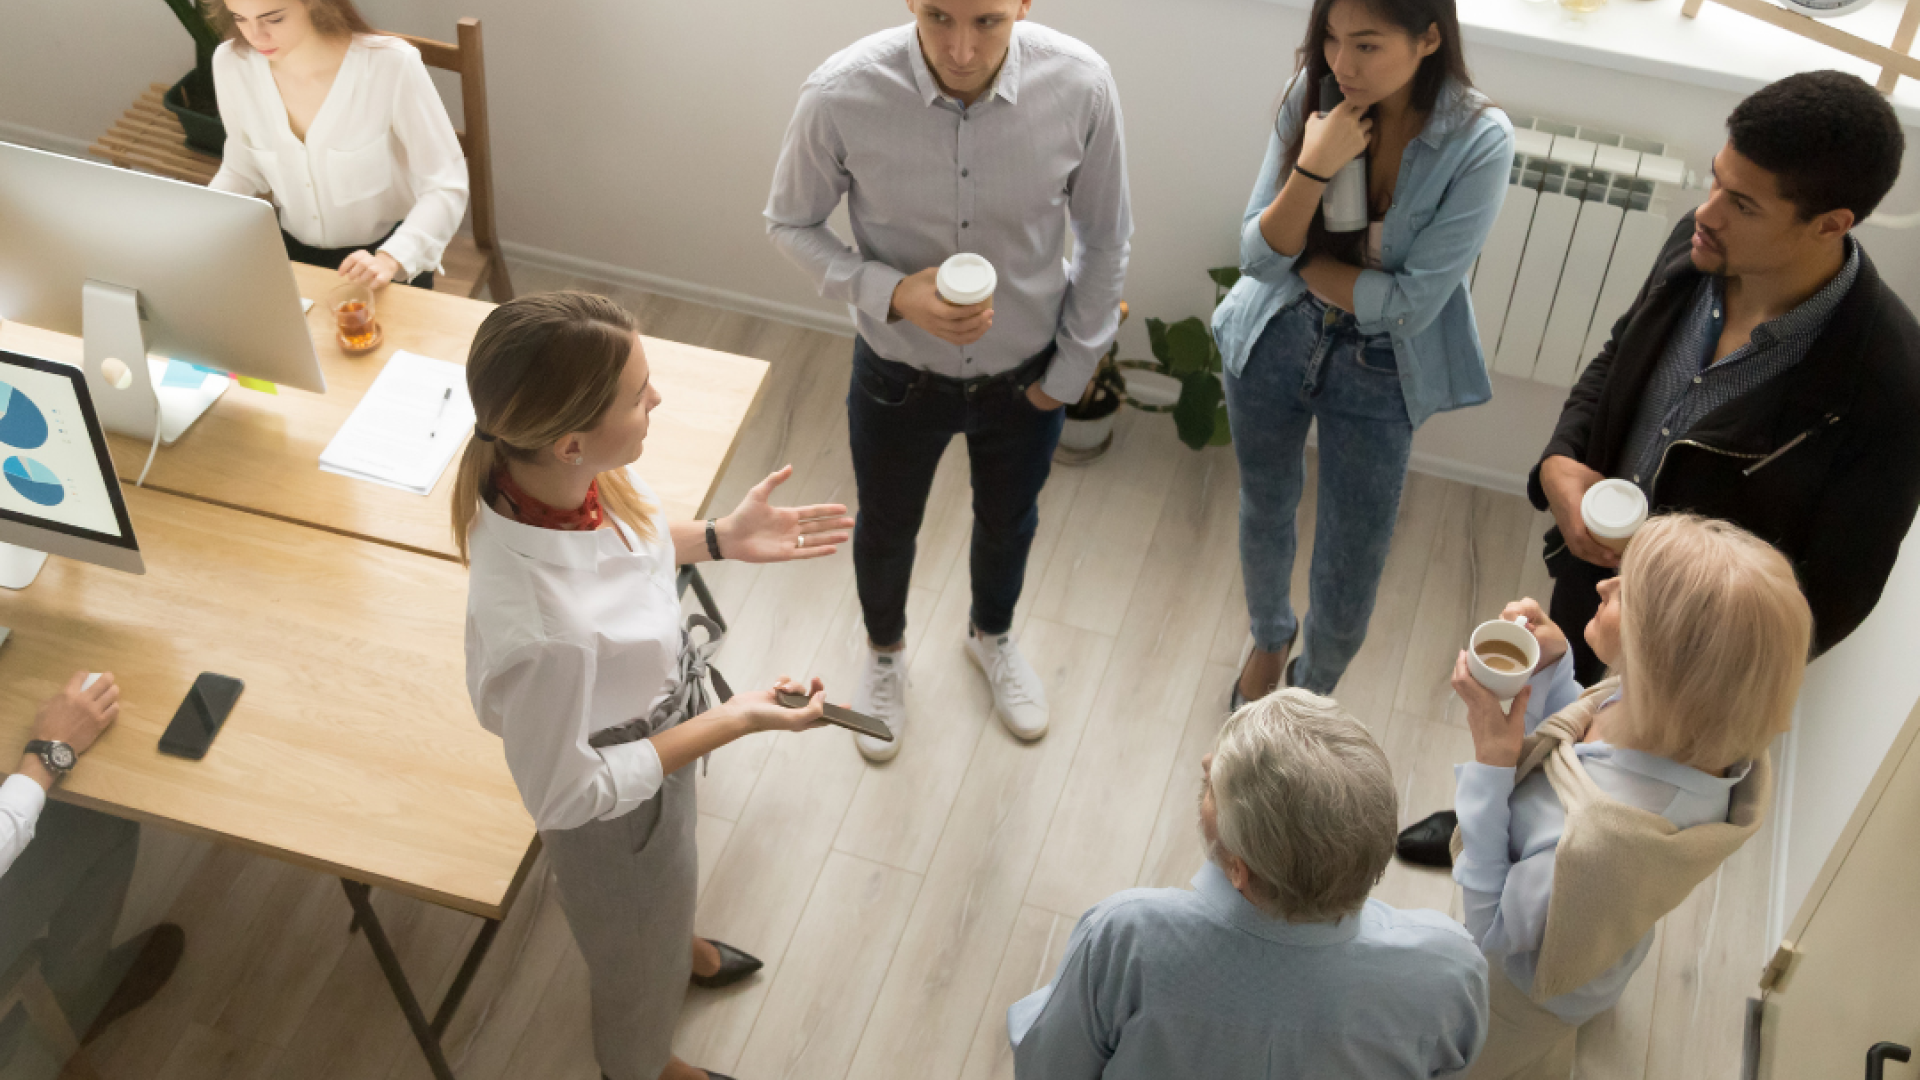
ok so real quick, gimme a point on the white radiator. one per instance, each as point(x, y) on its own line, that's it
point(1584, 218)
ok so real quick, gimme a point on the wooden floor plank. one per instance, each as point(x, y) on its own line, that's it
point(1032, 956)
point(1176, 852)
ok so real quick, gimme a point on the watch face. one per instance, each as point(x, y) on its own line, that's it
point(63, 756)
point(1825, 9)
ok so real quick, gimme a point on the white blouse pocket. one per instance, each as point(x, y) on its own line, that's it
point(362, 173)
point(268, 162)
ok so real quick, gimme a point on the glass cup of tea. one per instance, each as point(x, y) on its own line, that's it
point(353, 320)
point(1502, 655)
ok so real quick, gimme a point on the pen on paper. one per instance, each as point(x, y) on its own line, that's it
point(445, 397)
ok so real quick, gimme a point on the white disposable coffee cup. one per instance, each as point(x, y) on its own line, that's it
point(1504, 684)
point(1613, 511)
point(966, 279)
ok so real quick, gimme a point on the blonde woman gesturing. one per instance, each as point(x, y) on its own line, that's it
point(576, 657)
point(1580, 831)
point(343, 129)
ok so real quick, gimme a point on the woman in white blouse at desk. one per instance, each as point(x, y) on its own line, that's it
point(577, 660)
point(343, 128)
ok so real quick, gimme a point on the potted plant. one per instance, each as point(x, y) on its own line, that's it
point(192, 99)
point(1183, 377)
point(1088, 430)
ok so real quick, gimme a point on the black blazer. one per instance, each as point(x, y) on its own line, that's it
point(1822, 461)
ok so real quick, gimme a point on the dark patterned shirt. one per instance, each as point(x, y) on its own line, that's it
point(1687, 384)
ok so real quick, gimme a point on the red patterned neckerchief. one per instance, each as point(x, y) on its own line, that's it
point(528, 510)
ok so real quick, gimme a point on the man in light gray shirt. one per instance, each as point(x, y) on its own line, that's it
point(968, 130)
point(1276, 965)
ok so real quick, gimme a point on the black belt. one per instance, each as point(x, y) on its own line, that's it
point(1014, 381)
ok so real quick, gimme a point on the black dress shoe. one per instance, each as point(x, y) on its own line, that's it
point(1429, 842)
point(734, 966)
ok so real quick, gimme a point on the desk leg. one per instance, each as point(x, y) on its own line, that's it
point(427, 1035)
point(468, 969)
point(690, 577)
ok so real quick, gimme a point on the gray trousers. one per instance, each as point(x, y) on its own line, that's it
point(627, 887)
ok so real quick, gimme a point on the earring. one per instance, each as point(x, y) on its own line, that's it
point(574, 460)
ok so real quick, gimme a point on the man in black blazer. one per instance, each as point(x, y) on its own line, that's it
point(1765, 375)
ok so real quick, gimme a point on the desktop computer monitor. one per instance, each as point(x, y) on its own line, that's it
point(140, 265)
point(58, 489)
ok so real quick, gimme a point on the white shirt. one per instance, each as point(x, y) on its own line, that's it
point(380, 150)
point(21, 800)
point(1509, 834)
point(925, 178)
point(568, 634)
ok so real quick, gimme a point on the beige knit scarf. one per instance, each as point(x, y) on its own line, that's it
point(1617, 869)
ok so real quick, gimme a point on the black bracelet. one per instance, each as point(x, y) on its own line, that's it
point(1312, 176)
point(713, 542)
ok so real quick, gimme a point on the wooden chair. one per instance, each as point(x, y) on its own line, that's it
point(472, 262)
point(149, 137)
point(24, 986)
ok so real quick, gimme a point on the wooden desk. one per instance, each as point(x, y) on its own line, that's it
point(353, 750)
point(261, 452)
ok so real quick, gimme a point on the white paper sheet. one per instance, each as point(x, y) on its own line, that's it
point(405, 431)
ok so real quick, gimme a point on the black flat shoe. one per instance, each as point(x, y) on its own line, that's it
point(1428, 842)
point(1237, 700)
point(734, 966)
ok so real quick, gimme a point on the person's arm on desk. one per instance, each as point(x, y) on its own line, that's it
point(759, 532)
point(74, 716)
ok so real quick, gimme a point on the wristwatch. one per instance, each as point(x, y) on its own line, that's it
point(57, 756)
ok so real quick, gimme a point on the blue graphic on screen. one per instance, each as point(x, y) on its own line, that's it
point(34, 481)
point(21, 422)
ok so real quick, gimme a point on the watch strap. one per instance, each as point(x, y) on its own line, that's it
point(43, 749)
point(713, 541)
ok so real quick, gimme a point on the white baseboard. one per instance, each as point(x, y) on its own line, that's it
point(680, 289)
point(1468, 473)
point(22, 135)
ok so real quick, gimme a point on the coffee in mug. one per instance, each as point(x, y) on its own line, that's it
point(1501, 656)
point(966, 279)
point(1613, 511)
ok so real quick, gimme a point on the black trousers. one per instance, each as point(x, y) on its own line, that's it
point(331, 258)
point(1576, 598)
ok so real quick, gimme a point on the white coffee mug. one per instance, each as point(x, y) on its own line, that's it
point(1504, 684)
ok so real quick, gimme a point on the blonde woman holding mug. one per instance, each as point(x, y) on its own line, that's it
point(576, 657)
point(343, 129)
point(1587, 815)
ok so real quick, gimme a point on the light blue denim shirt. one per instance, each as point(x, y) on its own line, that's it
point(1162, 983)
point(1509, 833)
point(1453, 178)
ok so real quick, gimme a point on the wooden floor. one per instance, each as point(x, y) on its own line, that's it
point(901, 908)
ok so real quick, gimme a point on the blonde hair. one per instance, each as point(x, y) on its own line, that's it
point(541, 368)
point(1714, 638)
point(330, 18)
point(1303, 795)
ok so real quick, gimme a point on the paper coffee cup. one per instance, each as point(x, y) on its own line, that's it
point(1512, 647)
point(1613, 511)
point(965, 280)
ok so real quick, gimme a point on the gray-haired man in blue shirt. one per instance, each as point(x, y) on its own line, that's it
point(1276, 965)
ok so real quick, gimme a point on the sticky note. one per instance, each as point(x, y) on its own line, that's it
point(261, 385)
point(181, 373)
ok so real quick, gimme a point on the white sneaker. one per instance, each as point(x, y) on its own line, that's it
point(883, 696)
point(1017, 694)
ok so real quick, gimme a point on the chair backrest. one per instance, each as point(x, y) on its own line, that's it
point(466, 59)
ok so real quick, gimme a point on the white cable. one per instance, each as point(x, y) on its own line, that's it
point(151, 450)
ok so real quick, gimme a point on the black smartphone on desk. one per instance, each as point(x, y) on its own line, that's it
point(199, 717)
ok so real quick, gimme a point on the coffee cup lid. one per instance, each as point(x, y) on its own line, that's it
point(1614, 508)
point(966, 278)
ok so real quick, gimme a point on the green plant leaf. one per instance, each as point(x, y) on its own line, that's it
point(1194, 416)
point(1225, 276)
point(1157, 341)
point(1189, 348)
point(1222, 428)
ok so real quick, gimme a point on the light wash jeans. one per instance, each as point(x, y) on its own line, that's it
point(1311, 363)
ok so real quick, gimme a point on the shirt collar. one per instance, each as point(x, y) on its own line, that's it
point(1455, 105)
point(1006, 84)
point(556, 547)
point(1811, 315)
point(1666, 770)
point(1226, 902)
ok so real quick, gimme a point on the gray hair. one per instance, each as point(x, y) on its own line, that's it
point(1304, 796)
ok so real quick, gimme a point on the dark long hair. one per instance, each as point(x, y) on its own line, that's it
point(1447, 64)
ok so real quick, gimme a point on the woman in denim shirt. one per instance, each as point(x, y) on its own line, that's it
point(1369, 332)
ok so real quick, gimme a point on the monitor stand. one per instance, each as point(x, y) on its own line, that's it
point(18, 567)
point(127, 393)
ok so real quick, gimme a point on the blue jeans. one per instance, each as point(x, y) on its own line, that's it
point(1311, 363)
point(900, 420)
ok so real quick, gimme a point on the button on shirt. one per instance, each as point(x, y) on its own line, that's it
point(21, 800)
point(1508, 836)
point(1162, 983)
point(380, 150)
point(1687, 384)
point(568, 634)
point(926, 178)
